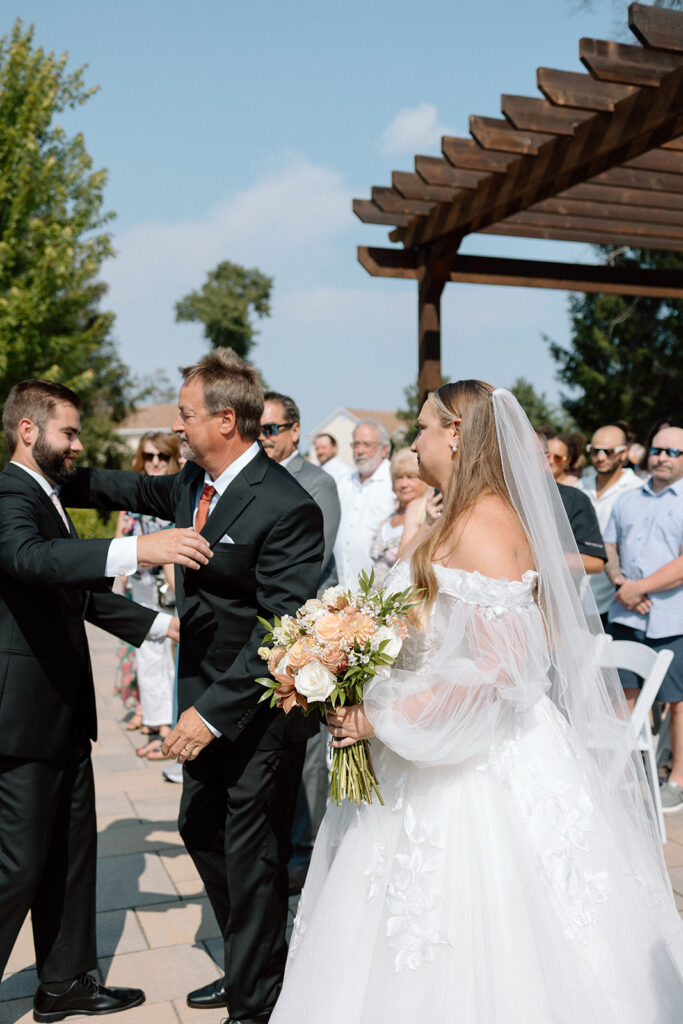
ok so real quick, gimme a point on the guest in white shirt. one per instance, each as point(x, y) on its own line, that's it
point(608, 451)
point(326, 450)
point(367, 498)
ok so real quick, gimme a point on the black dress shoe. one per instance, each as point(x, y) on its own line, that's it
point(209, 996)
point(83, 995)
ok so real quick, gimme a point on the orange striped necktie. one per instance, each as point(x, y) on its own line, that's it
point(203, 507)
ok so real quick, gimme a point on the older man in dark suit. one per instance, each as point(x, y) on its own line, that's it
point(242, 760)
point(47, 700)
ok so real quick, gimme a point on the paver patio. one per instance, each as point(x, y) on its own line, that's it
point(155, 927)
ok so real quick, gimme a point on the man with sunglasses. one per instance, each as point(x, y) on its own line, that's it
point(608, 452)
point(644, 542)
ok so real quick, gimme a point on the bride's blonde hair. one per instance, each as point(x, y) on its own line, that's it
point(477, 471)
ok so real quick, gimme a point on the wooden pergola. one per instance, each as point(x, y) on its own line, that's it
point(597, 158)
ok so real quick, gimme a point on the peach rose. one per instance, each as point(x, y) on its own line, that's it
point(329, 628)
point(274, 658)
point(359, 627)
point(334, 659)
point(299, 655)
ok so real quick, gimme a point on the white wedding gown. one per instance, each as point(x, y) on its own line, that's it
point(489, 888)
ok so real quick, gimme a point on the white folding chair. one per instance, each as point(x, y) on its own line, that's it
point(651, 666)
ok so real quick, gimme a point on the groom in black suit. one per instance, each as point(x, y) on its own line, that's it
point(48, 579)
point(242, 760)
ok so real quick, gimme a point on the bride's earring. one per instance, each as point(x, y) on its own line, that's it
point(454, 446)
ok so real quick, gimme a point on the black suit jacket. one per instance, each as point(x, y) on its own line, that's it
point(47, 574)
point(269, 566)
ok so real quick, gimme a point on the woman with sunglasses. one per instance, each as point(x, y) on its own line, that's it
point(157, 454)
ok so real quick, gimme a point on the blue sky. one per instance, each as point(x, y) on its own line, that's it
point(242, 131)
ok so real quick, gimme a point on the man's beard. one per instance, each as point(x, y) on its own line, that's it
point(187, 451)
point(367, 466)
point(51, 461)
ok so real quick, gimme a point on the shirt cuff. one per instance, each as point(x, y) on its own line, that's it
point(208, 725)
point(122, 557)
point(158, 631)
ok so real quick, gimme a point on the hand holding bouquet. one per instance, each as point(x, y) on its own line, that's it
point(324, 656)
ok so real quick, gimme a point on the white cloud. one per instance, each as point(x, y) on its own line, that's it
point(413, 130)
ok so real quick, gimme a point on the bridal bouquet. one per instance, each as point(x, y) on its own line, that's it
point(325, 655)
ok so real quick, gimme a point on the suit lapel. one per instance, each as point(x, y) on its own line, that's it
point(187, 498)
point(229, 506)
point(34, 488)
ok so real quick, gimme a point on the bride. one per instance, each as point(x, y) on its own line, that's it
point(514, 874)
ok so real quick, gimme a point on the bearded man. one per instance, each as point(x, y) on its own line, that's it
point(366, 499)
point(50, 581)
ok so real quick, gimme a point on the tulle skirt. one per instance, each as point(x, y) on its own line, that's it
point(482, 893)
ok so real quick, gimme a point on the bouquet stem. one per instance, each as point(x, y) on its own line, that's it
point(353, 776)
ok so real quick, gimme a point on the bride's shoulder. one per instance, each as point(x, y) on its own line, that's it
point(491, 542)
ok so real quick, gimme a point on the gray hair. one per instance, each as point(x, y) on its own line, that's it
point(229, 383)
point(383, 436)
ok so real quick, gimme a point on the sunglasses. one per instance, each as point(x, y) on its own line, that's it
point(673, 453)
point(609, 452)
point(270, 429)
point(557, 459)
point(151, 456)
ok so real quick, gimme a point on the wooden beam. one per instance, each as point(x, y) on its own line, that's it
point(570, 277)
point(390, 201)
point(437, 171)
point(612, 226)
point(371, 214)
point(641, 121)
point(668, 160)
point(572, 89)
point(412, 186)
point(567, 206)
point(657, 27)
point(496, 133)
point(632, 177)
point(591, 237)
point(630, 65)
point(388, 262)
point(469, 155)
point(531, 113)
point(431, 284)
point(612, 194)
point(576, 277)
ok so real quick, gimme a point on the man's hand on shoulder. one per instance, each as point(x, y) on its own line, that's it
point(189, 737)
point(176, 546)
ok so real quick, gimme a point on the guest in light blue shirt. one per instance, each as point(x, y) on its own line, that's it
point(644, 542)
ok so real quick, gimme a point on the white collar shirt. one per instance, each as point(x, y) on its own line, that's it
point(337, 469)
point(222, 482)
point(364, 506)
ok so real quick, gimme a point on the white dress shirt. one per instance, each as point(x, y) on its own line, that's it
point(122, 558)
point(603, 589)
point(364, 505)
point(338, 469)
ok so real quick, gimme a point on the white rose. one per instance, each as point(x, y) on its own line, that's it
point(395, 643)
point(314, 681)
point(312, 606)
point(330, 595)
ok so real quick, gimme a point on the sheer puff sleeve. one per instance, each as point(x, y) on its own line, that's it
point(458, 687)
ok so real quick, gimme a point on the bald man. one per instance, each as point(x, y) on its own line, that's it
point(608, 452)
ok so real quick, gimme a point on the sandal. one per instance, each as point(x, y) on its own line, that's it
point(149, 730)
point(135, 722)
point(144, 750)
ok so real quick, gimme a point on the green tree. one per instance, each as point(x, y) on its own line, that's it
point(625, 358)
point(538, 409)
point(226, 303)
point(53, 243)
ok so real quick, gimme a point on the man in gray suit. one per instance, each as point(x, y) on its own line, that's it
point(280, 431)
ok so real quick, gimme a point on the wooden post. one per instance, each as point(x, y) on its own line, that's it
point(429, 331)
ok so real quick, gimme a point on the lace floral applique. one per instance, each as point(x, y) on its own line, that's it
point(560, 819)
point(299, 927)
point(412, 898)
point(375, 869)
